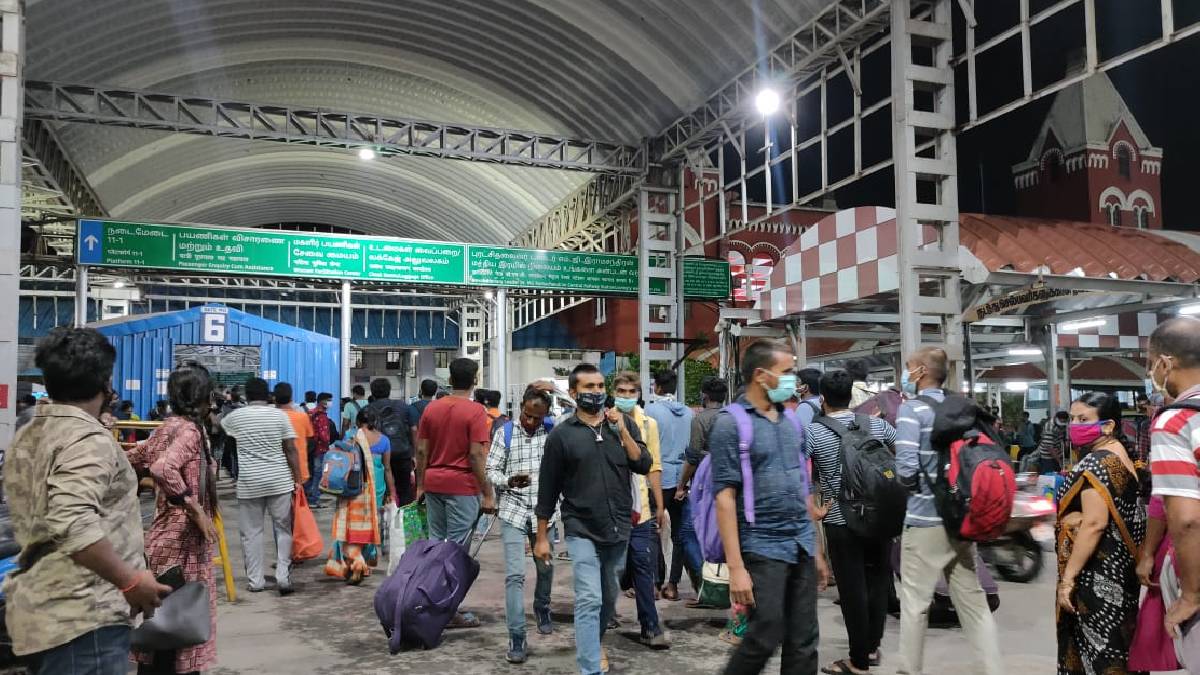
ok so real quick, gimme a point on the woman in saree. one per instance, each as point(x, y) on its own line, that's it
point(356, 531)
point(182, 534)
point(1099, 536)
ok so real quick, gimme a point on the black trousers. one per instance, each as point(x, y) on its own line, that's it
point(784, 612)
point(863, 573)
point(402, 469)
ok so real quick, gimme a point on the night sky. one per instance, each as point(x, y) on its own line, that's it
point(1161, 88)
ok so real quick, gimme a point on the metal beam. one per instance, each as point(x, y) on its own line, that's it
point(844, 23)
point(180, 113)
point(585, 211)
point(52, 183)
point(1167, 288)
point(1147, 306)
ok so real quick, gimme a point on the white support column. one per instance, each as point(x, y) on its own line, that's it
point(656, 261)
point(501, 342)
point(926, 180)
point(470, 331)
point(1054, 393)
point(680, 238)
point(347, 326)
point(12, 83)
point(81, 295)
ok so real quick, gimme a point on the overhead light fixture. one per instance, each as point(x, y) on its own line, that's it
point(1024, 351)
point(118, 284)
point(488, 295)
point(1016, 386)
point(1190, 309)
point(366, 154)
point(767, 101)
point(1072, 326)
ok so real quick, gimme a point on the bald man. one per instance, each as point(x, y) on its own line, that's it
point(926, 549)
point(1174, 369)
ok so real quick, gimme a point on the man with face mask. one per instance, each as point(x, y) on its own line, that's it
point(1174, 371)
point(774, 559)
point(642, 560)
point(588, 462)
point(927, 551)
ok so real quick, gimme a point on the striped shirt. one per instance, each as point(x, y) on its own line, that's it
point(825, 448)
point(1175, 451)
point(263, 469)
point(522, 456)
point(914, 455)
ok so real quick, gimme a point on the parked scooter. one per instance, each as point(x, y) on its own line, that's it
point(1018, 555)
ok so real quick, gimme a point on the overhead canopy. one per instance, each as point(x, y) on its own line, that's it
point(617, 70)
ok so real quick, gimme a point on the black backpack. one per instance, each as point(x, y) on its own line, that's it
point(393, 423)
point(872, 499)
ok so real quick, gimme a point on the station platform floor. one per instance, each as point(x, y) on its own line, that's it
point(327, 627)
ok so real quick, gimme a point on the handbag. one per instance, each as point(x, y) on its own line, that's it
point(183, 620)
point(714, 586)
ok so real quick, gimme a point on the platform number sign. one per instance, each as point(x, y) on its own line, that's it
point(212, 327)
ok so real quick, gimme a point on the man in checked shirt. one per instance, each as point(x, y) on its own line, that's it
point(512, 466)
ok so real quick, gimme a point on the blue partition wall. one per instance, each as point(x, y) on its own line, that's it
point(146, 346)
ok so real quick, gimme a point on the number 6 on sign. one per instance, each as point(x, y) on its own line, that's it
point(213, 328)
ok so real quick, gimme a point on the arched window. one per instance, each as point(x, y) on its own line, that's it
point(1055, 167)
point(1142, 215)
point(1114, 214)
point(749, 277)
point(1124, 161)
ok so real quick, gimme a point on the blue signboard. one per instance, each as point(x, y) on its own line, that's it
point(90, 246)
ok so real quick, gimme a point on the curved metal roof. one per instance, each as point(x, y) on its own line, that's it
point(617, 70)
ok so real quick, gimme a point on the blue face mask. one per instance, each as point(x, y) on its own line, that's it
point(784, 390)
point(625, 404)
point(906, 385)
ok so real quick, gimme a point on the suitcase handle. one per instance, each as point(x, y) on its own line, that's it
point(474, 528)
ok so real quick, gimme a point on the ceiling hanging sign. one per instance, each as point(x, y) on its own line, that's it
point(1015, 301)
point(256, 252)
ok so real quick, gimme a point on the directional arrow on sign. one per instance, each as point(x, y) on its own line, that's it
point(91, 241)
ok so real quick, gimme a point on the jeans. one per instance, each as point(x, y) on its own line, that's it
point(312, 489)
point(250, 524)
point(643, 561)
point(402, 470)
point(451, 517)
point(927, 553)
point(514, 580)
point(784, 611)
point(597, 575)
point(104, 651)
point(685, 547)
point(864, 573)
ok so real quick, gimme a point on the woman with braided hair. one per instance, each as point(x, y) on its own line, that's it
point(182, 534)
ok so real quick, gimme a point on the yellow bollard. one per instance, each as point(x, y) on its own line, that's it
point(223, 558)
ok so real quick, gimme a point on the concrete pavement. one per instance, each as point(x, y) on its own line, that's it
point(327, 627)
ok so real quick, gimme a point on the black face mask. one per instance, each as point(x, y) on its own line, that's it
point(591, 402)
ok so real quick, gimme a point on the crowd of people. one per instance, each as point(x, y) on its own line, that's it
point(608, 477)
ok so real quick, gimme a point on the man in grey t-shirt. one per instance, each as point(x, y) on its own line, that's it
point(269, 472)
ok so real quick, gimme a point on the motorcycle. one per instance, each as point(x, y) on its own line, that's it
point(1018, 554)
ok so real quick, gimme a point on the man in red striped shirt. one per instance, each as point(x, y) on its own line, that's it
point(1174, 369)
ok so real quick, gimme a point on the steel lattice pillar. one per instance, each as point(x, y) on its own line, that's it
point(923, 147)
point(12, 64)
point(657, 243)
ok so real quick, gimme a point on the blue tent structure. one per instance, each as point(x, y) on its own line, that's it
point(233, 344)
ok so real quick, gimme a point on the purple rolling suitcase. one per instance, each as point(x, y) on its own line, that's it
point(416, 602)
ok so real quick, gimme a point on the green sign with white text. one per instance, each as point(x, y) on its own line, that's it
point(254, 252)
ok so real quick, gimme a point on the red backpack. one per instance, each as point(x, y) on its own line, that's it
point(975, 484)
point(322, 429)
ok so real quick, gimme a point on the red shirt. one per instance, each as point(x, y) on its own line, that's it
point(449, 426)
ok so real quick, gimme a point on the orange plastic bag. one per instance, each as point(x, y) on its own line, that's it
point(306, 538)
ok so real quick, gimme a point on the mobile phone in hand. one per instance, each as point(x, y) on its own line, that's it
point(172, 577)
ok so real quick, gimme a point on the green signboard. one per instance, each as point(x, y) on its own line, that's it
point(268, 252)
point(557, 270)
point(224, 250)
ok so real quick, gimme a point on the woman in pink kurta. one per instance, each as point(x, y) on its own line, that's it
point(182, 532)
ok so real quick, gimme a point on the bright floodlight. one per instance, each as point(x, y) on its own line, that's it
point(488, 295)
point(1190, 309)
point(1016, 386)
point(1073, 326)
point(1024, 351)
point(366, 154)
point(118, 284)
point(767, 101)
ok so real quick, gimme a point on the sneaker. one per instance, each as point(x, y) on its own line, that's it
point(658, 641)
point(545, 626)
point(614, 623)
point(516, 649)
point(285, 589)
point(256, 589)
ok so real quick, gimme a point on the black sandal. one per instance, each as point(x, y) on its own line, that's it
point(840, 667)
